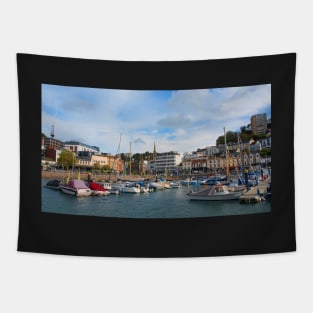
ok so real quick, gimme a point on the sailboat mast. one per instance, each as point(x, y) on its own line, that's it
point(130, 158)
point(117, 153)
point(239, 149)
point(226, 151)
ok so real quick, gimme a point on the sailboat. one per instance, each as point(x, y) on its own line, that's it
point(215, 193)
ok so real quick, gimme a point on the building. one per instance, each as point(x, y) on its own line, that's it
point(208, 164)
point(187, 163)
point(213, 150)
point(76, 147)
point(52, 143)
point(207, 151)
point(99, 162)
point(199, 164)
point(220, 163)
point(52, 154)
point(266, 142)
point(50, 146)
point(258, 124)
point(252, 159)
point(167, 162)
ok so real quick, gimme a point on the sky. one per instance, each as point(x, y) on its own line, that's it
point(176, 120)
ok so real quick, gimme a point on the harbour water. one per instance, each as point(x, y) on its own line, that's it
point(169, 203)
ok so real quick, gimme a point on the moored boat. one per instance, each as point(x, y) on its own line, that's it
point(114, 191)
point(127, 187)
point(214, 193)
point(98, 190)
point(213, 180)
point(53, 184)
point(175, 184)
point(106, 185)
point(131, 188)
point(144, 189)
point(77, 188)
point(188, 181)
point(156, 185)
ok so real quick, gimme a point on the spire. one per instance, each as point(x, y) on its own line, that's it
point(154, 152)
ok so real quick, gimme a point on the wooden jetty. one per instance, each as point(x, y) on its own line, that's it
point(254, 195)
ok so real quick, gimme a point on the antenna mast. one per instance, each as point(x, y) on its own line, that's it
point(52, 131)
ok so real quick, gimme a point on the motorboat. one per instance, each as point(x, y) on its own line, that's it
point(175, 184)
point(165, 183)
point(214, 180)
point(156, 185)
point(114, 191)
point(77, 188)
point(53, 184)
point(106, 185)
point(127, 187)
point(189, 181)
point(98, 190)
point(131, 188)
point(144, 189)
point(214, 193)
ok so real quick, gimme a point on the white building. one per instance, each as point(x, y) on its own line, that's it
point(76, 146)
point(167, 162)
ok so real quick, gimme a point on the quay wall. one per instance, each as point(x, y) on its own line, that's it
point(97, 177)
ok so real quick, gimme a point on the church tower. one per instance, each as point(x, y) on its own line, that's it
point(154, 152)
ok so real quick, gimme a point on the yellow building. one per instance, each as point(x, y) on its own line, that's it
point(99, 161)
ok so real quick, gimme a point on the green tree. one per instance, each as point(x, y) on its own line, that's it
point(230, 137)
point(67, 158)
point(105, 168)
point(265, 152)
point(124, 157)
point(96, 165)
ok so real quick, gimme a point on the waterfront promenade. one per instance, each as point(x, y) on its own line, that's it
point(98, 177)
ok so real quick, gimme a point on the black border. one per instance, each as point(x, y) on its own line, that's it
point(212, 236)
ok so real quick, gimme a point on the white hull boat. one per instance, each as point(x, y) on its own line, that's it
point(100, 193)
point(106, 185)
point(155, 185)
point(188, 182)
point(166, 185)
point(127, 188)
point(131, 189)
point(214, 193)
point(144, 189)
point(114, 191)
point(76, 188)
point(175, 185)
point(98, 190)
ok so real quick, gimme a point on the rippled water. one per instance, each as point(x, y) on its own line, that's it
point(169, 203)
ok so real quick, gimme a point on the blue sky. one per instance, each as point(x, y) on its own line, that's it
point(179, 120)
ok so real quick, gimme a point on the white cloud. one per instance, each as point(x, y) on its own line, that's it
point(182, 121)
point(176, 120)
